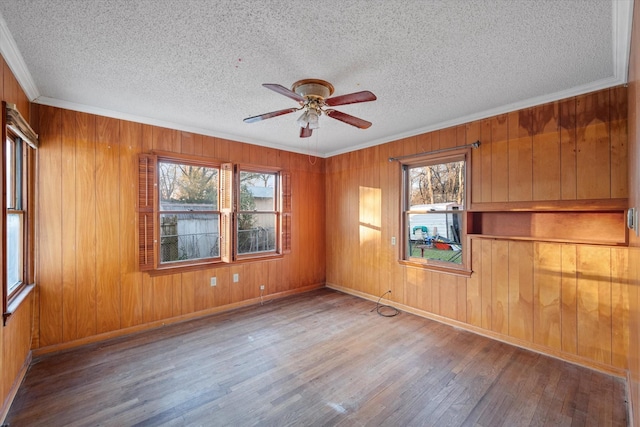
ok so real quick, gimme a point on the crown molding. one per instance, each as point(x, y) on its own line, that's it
point(15, 61)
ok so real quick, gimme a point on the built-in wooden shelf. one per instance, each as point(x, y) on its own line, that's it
point(606, 227)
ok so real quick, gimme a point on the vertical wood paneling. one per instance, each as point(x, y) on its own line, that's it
point(521, 290)
point(474, 133)
point(188, 292)
point(162, 297)
point(520, 156)
point(620, 325)
point(486, 284)
point(568, 149)
point(130, 277)
point(500, 158)
point(50, 225)
point(594, 302)
point(546, 294)
point(86, 228)
point(487, 166)
point(69, 286)
point(618, 113)
point(593, 146)
point(569, 300)
point(546, 152)
point(474, 289)
point(500, 286)
point(108, 310)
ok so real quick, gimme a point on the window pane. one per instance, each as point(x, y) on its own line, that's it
point(437, 184)
point(189, 236)
point(10, 171)
point(257, 191)
point(435, 236)
point(187, 187)
point(14, 250)
point(256, 233)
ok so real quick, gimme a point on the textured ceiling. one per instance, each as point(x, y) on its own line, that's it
point(199, 65)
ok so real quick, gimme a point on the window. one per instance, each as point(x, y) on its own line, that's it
point(256, 226)
point(433, 212)
point(15, 214)
point(20, 142)
point(189, 215)
point(209, 212)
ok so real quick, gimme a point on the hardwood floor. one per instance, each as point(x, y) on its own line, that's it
point(316, 359)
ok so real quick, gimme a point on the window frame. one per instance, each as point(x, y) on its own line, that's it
point(18, 194)
point(148, 209)
point(159, 211)
point(277, 212)
point(464, 267)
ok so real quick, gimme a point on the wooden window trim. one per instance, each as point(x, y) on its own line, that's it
point(148, 213)
point(17, 129)
point(464, 269)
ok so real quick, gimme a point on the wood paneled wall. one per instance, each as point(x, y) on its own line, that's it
point(634, 201)
point(88, 276)
point(564, 298)
point(15, 336)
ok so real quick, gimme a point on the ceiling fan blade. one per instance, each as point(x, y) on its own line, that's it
point(349, 119)
point(254, 119)
point(284, 91)
point(305, 132)
point(351, 98)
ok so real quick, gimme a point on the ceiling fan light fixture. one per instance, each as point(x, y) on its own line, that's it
point(309, 118)
point(303, 120)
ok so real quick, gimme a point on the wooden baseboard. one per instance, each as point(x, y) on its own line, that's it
point(14, 387)
point(571, 358)
point(160, 323)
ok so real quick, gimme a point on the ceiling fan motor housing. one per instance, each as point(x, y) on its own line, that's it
point(313, 88)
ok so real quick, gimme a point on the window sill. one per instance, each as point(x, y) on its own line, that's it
point(162, 271)
point(15, 302)
point(438, 268)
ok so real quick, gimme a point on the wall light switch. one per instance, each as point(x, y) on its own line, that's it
point(213, 281)
point(236, 277)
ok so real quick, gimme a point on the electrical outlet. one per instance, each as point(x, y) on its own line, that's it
point(393, 241)
point(213, 281)
point(262, 287)
point(236, 277)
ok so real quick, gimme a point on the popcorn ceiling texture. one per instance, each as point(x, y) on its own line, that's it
point(199, 65)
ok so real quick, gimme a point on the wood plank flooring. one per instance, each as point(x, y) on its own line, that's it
point(321, 358)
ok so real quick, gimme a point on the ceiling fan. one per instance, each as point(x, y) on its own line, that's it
point(313, 97)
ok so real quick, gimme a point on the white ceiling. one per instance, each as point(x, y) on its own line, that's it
point(198, 65)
